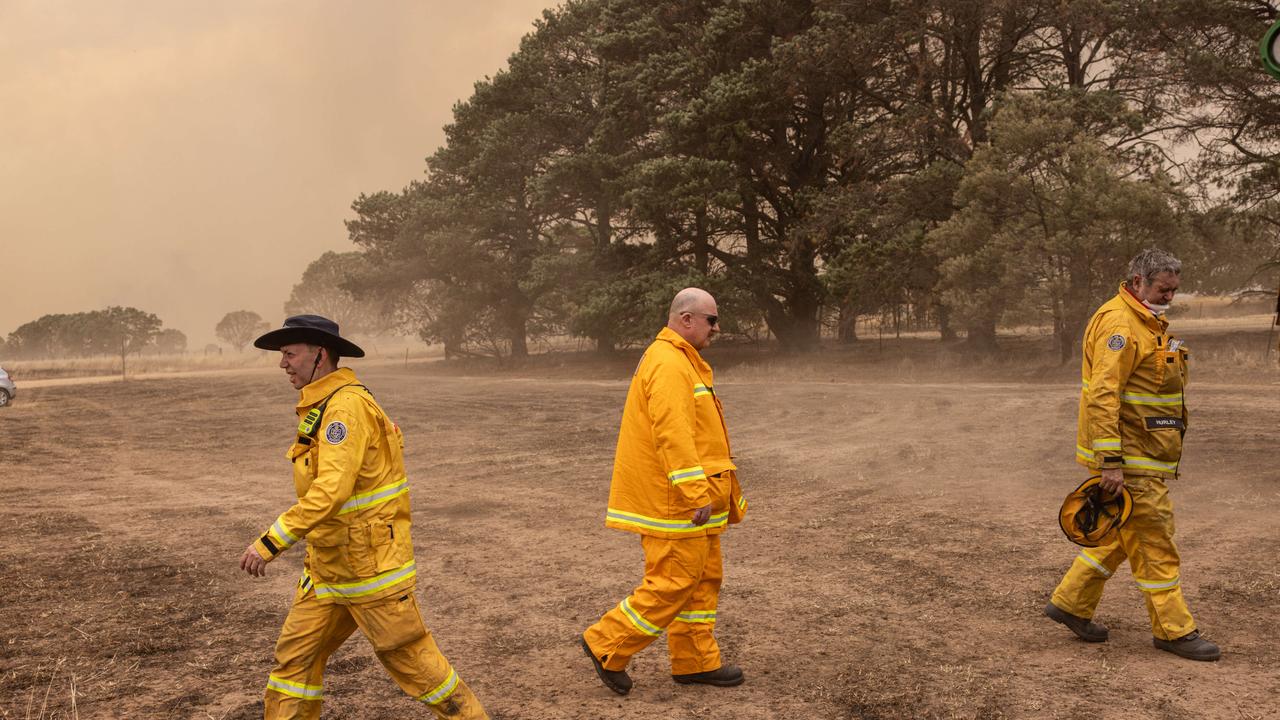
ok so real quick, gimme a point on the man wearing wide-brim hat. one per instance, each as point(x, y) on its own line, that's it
point(353, 509)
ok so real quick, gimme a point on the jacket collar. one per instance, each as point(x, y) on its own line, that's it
point(324, 387)
point(690, 351)
point(1153, 321)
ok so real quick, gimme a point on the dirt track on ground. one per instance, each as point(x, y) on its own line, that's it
point(900, 546)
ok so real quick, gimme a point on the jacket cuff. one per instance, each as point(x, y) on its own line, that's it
point(264, 546)
point(1108, 453)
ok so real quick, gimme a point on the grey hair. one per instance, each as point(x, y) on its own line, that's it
point(1151, 262)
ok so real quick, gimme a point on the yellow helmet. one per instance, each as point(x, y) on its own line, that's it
point(1090, 517)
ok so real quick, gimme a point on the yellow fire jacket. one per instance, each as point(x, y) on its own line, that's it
point(1132, 411)
point(353, 496)
point(673, 449)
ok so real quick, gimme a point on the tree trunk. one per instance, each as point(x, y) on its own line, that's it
point(982, 335)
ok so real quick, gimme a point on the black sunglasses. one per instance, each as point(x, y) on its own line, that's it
point(711, 319)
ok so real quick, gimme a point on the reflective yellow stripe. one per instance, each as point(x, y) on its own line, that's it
point(697, 616)
point(374, 497)
point(277, 530)
point(1156, 585)
point(1084, 453)
point(742, 502)
point(294, 689)
point(368, 587)
point(443, 690)
point(686, 474)
point(1106, 444)
point(699, 390)
point(643, 521)
point(636, 619)
point(1131, 461)
point(1136, 399)
point(1093, 563)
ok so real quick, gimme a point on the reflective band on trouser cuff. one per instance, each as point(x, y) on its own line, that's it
point(676, 526)
point(369, 586)
point(697, 616)
point(1106, 444)
point(376, 496)
point(278, 531)
point(293, 689)
point(699, 390)
point(1091, 562)
point(1156, 586)
point(686, 474)
point(443, 690)
point(1136, 399)
point(1143, 463)
point(641, 624)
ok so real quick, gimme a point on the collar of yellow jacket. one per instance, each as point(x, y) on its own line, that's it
point(1153, 321)
point(324, 387)
point(674, 338)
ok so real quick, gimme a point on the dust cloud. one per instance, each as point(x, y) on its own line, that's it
point(190, 159)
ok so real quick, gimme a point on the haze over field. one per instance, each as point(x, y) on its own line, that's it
point(190, 159)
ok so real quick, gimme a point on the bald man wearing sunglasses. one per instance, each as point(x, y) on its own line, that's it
point(675, 485)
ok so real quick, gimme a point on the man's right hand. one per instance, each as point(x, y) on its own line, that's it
point(1112, 480)
point(702, 515)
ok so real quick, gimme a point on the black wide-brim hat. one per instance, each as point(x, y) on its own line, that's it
point(311, 329)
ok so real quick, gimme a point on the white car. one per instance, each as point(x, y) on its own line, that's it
point(7, 388)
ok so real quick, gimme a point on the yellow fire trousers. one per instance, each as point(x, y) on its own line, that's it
point(678, 594)
point(402, 642)
point(1147, 541)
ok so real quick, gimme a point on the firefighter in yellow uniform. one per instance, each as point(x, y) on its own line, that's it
point(675, 485)
point(353, 510)
point(1131, 421)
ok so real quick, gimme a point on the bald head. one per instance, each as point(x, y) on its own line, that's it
point(694, 316)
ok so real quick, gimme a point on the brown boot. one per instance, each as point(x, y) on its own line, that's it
point(1084, 628)
point(616, 680)
point(724, 676)
point(1190, 646)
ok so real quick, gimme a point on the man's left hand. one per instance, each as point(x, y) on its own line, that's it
point(252, 563)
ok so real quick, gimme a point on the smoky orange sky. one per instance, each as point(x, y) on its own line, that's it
point(191, 158)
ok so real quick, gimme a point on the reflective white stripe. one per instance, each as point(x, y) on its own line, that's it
point(1106, 444)
point(1093, 564)
point(697, 616)
point(293, 689)
point(643, 521)
point(281, 534)
point(1136, 399)
point(370, 586)
point(1154, 586)
point(699, 390)
point(686, 474)
point(1084, 453)
point(636, 619)
point(443, 690)
point(1132, 461)
point(375, 497)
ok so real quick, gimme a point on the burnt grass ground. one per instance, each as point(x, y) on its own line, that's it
point(901, 543)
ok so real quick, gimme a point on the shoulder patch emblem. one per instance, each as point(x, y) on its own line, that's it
point(335, 432)
point(1116, 342)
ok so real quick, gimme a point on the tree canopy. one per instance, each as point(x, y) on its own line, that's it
point(815, 161)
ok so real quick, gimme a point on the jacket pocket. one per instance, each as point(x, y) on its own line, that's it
point(373, 549)
point(390, 547)
point(329, 547)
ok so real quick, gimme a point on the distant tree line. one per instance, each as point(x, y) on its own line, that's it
point(811, 162)
point(113, 331)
